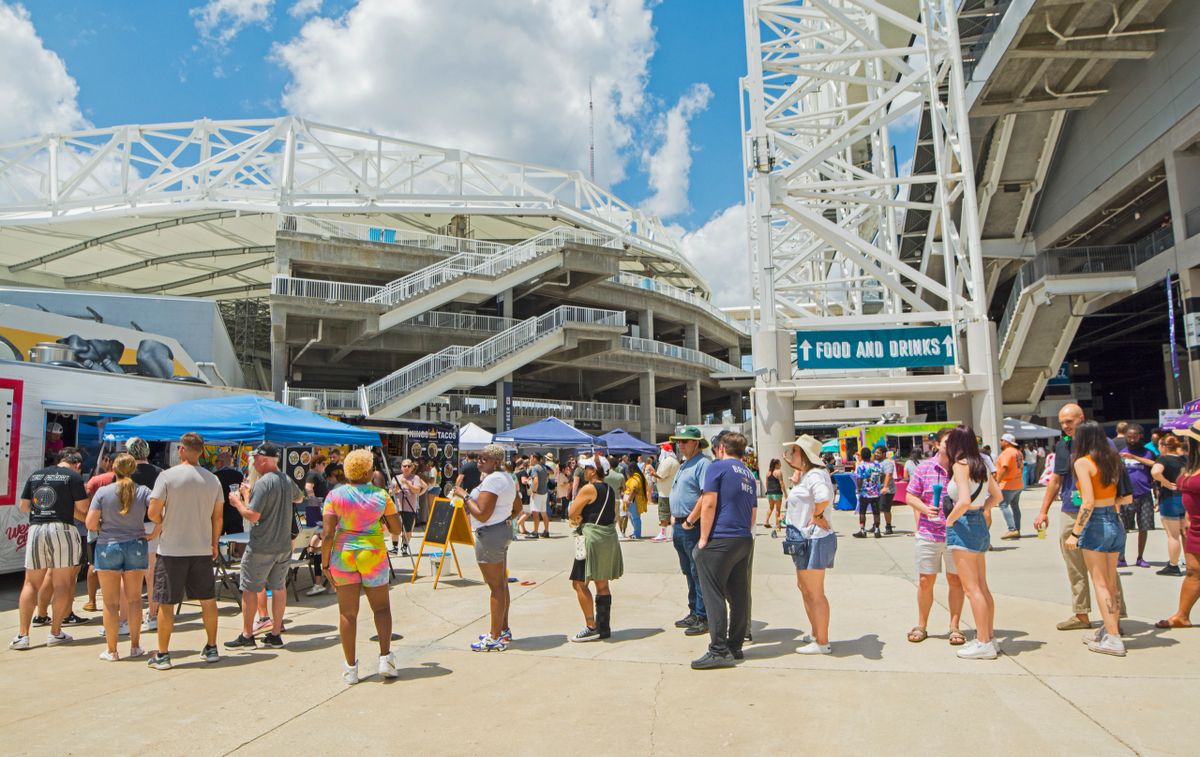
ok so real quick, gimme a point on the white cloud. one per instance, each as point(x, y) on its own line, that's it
point(506, 78)
point(219, 21)
point(720, 250)
point(37, 95)
point(669, 166)
point(302, 8)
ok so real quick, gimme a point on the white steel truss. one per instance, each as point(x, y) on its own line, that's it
point(291, 165)
point(826, 81)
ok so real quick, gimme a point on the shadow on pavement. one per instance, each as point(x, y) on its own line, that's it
point(869, 646)
point(309, 630)
point(427, 670)
point(1145, 635)
point(1013, 645)
point(539, 643)
point(633, 634)
point(770, 643)
point(227, 660)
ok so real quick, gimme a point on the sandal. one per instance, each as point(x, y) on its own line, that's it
point(917, 635)
point(956, 638)
point(1169, 624)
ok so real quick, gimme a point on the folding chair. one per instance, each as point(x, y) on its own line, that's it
point(296, 562)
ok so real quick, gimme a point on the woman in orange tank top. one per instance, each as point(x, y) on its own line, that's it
point(1098, 530)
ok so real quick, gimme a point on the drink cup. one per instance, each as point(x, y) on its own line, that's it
point(1042, 532)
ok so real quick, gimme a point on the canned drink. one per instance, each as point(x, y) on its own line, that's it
point(1042, 532)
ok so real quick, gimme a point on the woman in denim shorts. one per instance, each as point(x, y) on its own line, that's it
point(1098, 530)
point(1166, 471)
point(970, 493)
point(810, 537)
point(121, 555)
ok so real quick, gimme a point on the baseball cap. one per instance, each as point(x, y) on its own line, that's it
point(266, 449)
point(595, 462)
point(1009, 438)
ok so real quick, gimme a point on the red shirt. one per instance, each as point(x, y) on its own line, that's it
point(95, 482)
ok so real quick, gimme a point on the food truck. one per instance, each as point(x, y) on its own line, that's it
point(902, 437)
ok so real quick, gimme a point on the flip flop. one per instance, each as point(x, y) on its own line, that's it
point(956, 638)
point(1168, 624)
point(528, 583)
point(917, 635)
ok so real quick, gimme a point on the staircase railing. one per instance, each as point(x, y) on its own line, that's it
point(679, 353)
point(676, 293)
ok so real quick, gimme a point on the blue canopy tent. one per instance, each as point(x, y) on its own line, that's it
point(829, 446)
point(548, 432)
point(239, 419)
point(621, 442)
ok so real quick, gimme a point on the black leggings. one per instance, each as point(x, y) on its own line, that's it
point(863, 503)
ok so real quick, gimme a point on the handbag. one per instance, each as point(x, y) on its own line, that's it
point(948, 504)
point(796, 544)
point(580, 542)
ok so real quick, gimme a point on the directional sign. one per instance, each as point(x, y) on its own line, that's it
point(918, 347)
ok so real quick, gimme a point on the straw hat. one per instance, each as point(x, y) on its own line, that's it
point(810, 446)
point(1192, 431)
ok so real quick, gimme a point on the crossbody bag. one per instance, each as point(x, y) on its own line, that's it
point(580, 543)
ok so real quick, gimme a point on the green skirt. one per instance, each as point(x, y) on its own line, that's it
point(603, 561)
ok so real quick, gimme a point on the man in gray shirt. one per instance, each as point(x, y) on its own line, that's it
point(539, 484)
point(265, 563)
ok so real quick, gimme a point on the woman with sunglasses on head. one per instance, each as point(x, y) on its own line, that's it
point(1188, 485)
point(809, 503)
point(407, 488)
point(1098, 530)
point(969, 494)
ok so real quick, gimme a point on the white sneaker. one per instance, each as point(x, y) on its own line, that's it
point(135, 652)
point(19, 642)
point(62, 638)
point(387, 666)
point(978, 650)
point(150, 624)
point(315, 590)
point(1108, 644)
point(108, 656)
point(350, 673)
point(815, 648)
point(122, 630)
point(1093, 636)
point(661, 537)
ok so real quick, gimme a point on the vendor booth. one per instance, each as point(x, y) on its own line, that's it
point(903, 437)
point(621, 442)
point(549, 432)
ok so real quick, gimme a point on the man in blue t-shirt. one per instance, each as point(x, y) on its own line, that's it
point(1063, 483)
point(726, 522)
point(685, 493)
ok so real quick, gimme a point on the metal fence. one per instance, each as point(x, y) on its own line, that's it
point(486, 353)
point(437, 319)
point(529, 407)
point(384, 235)
point(1080, 261)
point(329, 400)
point(679, 353)
point(319, 289)
point(674, 292)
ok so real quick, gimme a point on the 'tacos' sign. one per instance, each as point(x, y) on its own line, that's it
point(918, 347)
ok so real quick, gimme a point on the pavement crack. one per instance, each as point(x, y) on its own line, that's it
point(662, 674)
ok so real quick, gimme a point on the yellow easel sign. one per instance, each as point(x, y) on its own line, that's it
point(446, 527)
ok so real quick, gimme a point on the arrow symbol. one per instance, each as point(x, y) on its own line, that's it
point(804, 349)
point(949, 342)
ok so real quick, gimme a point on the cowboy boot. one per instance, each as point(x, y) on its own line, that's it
point(604, 615)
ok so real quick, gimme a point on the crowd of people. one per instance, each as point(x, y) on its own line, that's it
point(143, 527)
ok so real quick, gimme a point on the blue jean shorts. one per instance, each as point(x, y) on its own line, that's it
point(1171, 505)
point(1104, 531)
point(123, 555)
point(812, 554)
point(970, 533)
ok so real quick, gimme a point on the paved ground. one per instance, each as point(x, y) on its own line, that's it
point(635, 694)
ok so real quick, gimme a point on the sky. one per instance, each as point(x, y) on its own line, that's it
point(501, 77)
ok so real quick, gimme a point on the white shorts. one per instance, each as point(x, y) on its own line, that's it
point(52, 545)
point(152, 544)
point(537, 503)
point(931, 556)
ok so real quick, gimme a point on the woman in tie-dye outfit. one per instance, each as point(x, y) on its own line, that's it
point(354, 553)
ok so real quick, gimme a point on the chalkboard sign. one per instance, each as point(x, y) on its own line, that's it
point(447, 526)
point(437, 530)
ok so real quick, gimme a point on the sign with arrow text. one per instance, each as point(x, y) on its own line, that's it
point(917, 347)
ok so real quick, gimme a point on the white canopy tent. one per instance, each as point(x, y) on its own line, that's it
point(472, 438)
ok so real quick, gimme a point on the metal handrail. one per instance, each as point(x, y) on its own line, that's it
point(531, 407)
point(1079, 261)
point(486, 353)
point(331, 400)
point(674, 292)
point(686, 354)
point(438, 319)
point(386, 235)
point(320, 289)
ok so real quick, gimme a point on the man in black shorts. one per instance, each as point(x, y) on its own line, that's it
point(187, 500)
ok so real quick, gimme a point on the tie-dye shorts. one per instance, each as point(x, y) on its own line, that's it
point(370, 567)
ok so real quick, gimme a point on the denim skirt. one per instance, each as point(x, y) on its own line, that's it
point(1171, 505)
point(970, 533)
point(1103, 532)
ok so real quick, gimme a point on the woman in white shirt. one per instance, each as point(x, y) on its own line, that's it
point(810, 538)
point(489, 507)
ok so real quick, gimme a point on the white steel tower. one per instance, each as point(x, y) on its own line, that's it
point(825, 199)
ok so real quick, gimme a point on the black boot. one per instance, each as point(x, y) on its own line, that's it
point(604, 615)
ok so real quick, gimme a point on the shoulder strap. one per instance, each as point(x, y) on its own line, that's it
point(978, 489)
point(607, 498)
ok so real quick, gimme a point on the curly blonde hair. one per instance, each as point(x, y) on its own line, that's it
point(358, 466)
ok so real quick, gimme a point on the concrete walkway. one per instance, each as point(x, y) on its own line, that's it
point(635, 694)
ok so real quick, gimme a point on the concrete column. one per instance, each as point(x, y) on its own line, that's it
point(985, 415)
point(735, 407)
point(1189, 285)
point(279, 354)
point(1183, 189)
point(506, 304)
point(500, 425)
point(774, 414)
point(646, 324)
point(691, 336)
point(646, 396)
point(693, 402)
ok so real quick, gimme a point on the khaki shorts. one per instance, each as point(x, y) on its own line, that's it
point(931, 556)
point(537, 503)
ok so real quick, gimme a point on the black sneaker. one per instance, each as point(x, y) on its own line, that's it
point(41, 620)
point(1170, 570)
point(889, 530)
point(545, 535)
point(393, 550)
point(738, 654)
point(859, 534)
point(246, 642)
point(74, 620)
point(160, 661)
point(404, 551)
point(710, 661)
point(878, 535)
point(210, 653)
point(699, 628)
point(273, 640)
point(685, 622)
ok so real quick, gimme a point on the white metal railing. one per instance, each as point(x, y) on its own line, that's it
point(674, 292)
point(679, 353)
point(386, 235)
point(319, 289)
point(329, 400)
point(437, 319)
point(530, 407)
point(486, 353)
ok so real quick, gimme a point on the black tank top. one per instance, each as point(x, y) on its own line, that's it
point(773, 486)
point(603, 506)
